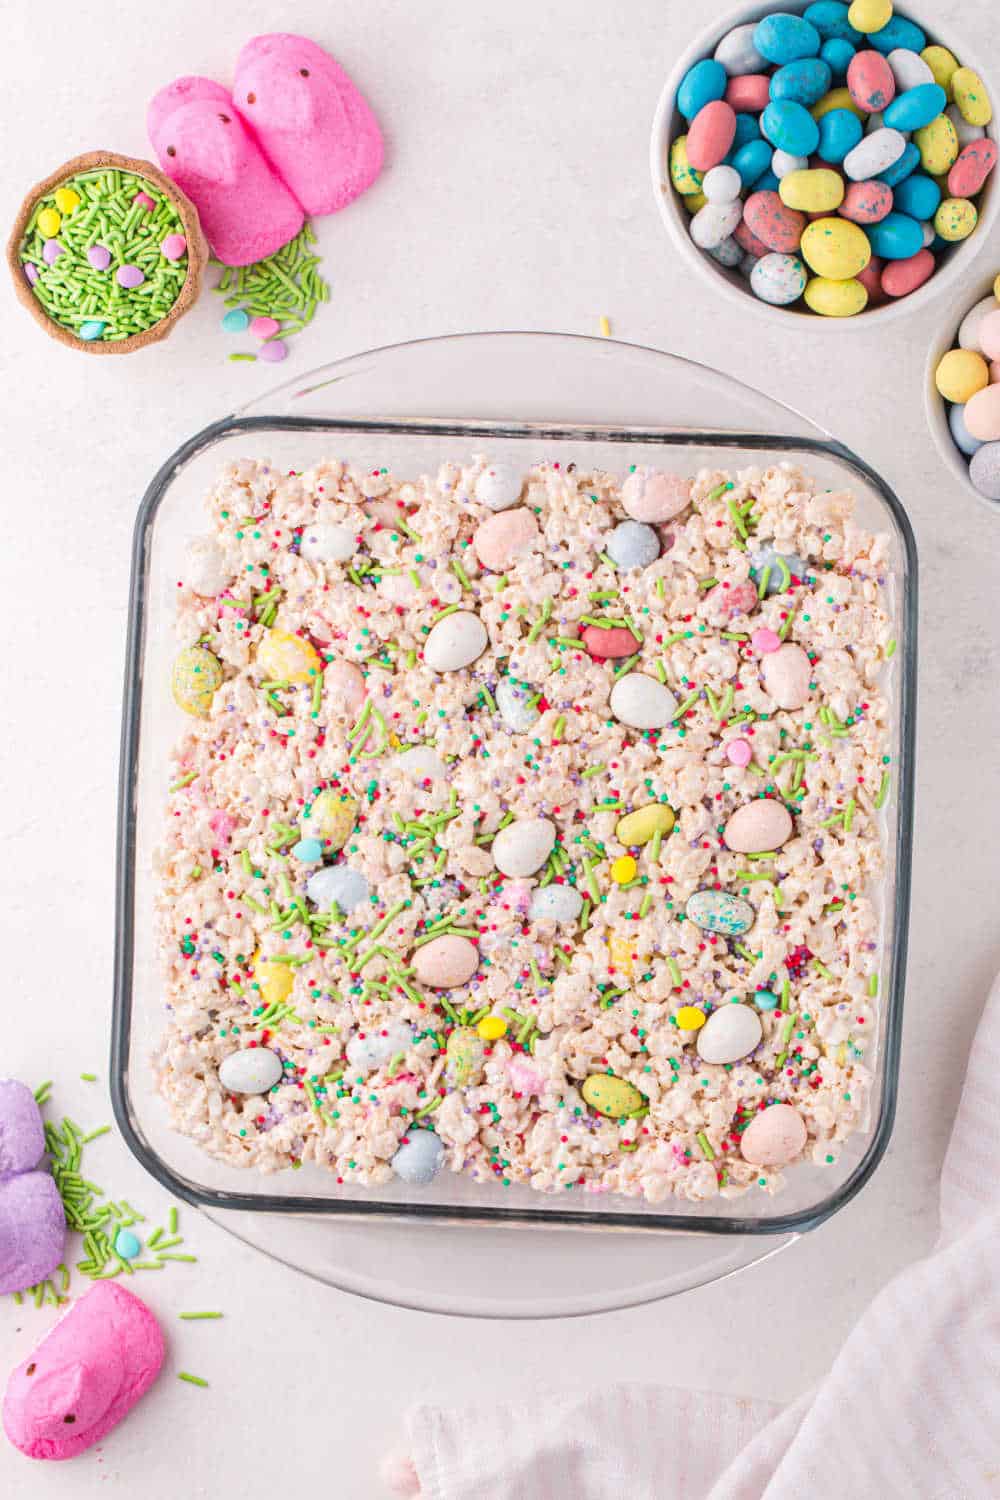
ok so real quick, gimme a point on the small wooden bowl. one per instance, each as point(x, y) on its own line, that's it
point(197, 251)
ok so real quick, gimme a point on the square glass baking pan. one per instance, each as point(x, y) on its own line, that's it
point(519, 397)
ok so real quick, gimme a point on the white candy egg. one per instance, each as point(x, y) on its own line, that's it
point(252, 1070)
point(205, 568)
point(499, 486)
point(324, 542)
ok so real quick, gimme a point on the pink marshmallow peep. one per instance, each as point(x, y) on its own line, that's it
point(315, 127)
point(85, 1376)
point(32, 1221)
point(246, 210)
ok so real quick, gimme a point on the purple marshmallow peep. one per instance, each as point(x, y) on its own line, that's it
point(32, 1222)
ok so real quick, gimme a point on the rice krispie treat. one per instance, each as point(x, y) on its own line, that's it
point(527, 825)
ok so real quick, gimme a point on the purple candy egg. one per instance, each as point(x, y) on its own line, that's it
point(51, 252)
point(31, 273)
point(129, 276)
point(99, 257)
point(273, 352)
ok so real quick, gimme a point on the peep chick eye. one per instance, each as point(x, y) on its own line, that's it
point(251, 98)
point(31, 1369)
point(171, 150)
point(70, 1419)
point(224, 119)
point(304, 72)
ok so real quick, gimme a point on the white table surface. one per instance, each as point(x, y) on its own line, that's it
point(516, 195)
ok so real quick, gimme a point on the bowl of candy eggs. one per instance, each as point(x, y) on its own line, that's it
point(829, 159)
point(963, 393)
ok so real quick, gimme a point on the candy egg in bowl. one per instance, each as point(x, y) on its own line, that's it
point(826, 159)
point(962, 391)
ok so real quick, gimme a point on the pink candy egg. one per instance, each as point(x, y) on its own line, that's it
point(503, 537)
point(764, 641)
point(739, 752)
point(774, 1136)
point(609, 645)
point(749, 94)
point(974, 165)
point(748, 241)
point(871, 82)
point(734, 599)
point(710, 135)
point(777, 226)
point(866, 202)
point(263, 328)
point(870, 279)
point(901, 277)
point(982, 414)
point(174, 246)
point(653, 495)
point(989, 335)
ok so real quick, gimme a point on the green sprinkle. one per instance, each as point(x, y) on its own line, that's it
point(190, 1317)
point(191, 1379)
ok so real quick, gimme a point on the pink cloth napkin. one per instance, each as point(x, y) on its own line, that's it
point(909, 1411)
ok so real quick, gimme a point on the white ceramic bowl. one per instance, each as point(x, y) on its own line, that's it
point(668, 124)
point(935, 404)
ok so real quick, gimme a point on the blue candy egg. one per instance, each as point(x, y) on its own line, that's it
point(897, 32)
point(840, 130)
point(766, 1000)
point(896, 237)
point(984, 471)
point(127, 1245)
point(790, 127)
point(702, 84)
point(633, 544)
point(837, 54)
point(91, 328)
point(309, 851)
point(769, 183)
point(804, 81)
point(917, 195)
point(337, 883)
point(419, 1157)
point(901, 167)
point(830, 19)
point(784, 38)
point(963, 437)
point(752, 161)
point(916, 107)
point(747, 129)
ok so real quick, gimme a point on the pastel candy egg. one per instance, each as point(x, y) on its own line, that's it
point(766, 1000)
point(961, 434)
point(275, 981)
point(747, 129)
point(174, 247)
point(420, 763)
point(330, 817)
point(778, 279)
point(251, 1070)
point(916, 107)
point(835, 248)
point(875, 154)
point(919, 196)
point(752, 247)
point(633, 545)
point(642, 702)
point(739, 753)
point(727, 254)
point(66, 199)
point(522, 848)
point(282, 656)
point(752, 162)
point(637, 828)
point(610, 1096)
point(325, 542)
point(555, 903)
point(718, 911)
point(982, 414)
point(737, 53)
point(905, 163)
point(965, 133)
point(871, 81)
point(344, 684)
point(700, 85)
point(374, 1049)
point(831, 20)
point(750, 93)
point(765, 641)
point(909, 69)
point(971, 97)
point(968, 332)
point(464, 1052)
point(731, 1032)
point(942, 65)
point(783, 568)
point(196, 675)
point(722, 185)
point(418, 1160)
point(775, 225)
point(514, 705)
point(501, 539)
point(609, 645)
point(839, 98)
point(446, 963)
point(783, 38)
point(51, 252)
point(938, 146)
point(774, 1137)
point(959, 375)
point(714, 223)
point(130, 277)
point(837, 54)
point(340, 884)
point(804, 81)
point(790, 126)
point(730, 599)
point(956, 219)
point(654, 496)
point(49, 222)
point(984, 471)
point(815, 191)
point(782, 164)
point(989, 335)
point(839, 132)
point(710, 135)
point(866, 202)
point(308, 851)
point(455, 642)
point(787, 674)
point(869, 15)
point(127, 1244)
point(499, 486)
point(898, 32)
point(901, 277)
point(684, 178)
point(896, 237)
point(975, 163)
point(690, 1018)
point(759, 825)
point(99, 256)
point(205, 568)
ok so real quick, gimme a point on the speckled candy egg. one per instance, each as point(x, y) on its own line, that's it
point(420, 763)
point(773, 223)
point(513, 700)
point(340, 884)
point(633, 545)
point(774, 1137)
point(523, 846)
point(330, 817)
point(974, 164)
point(464, 1054)
point(787, 674)
point(871, 81)
point(446, 963)
point(374, 1048)
point(737, 53)
point(835, 248)
point(758, 826)
point(642, 702)
point(196, 675)
point(778, 279)
point(783, 568)
point(783, 38)
point(654, 496)
point(555, 903)
point(343, 687)
point(499, 487)
point(874, 155)
point(984, 471)
point(713, 224)
point(614, 1097)
point(252, 1070)
point(324, 542)
point(718, 911)
point(455, 642)
point(731, 1032)
point(501, 539)
point(282, 656)
point(867, 202)
point(419, 1158)
point(205, 568)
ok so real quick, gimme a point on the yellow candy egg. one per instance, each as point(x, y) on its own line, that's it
point(836, 99)
point(942, 64)
point(870, 15)
point(610, 1096)
point(818, 191)
point(694, 202)
point(835, 248)
point(690, 1018)
point(683, 176)
point(835, 299)
point(464, 1054)
point(48, 222)
point(66, 200)
point(623, 870)
point(960, 374)
point(938, 145)
point(971, 97)
point(330, 818)
point(196, 675)
point(274, 981)
point(956, 218)
point(639, 827)
point(492, 1028)
point(620, 954)
point(996, 289)
point(284, 657)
